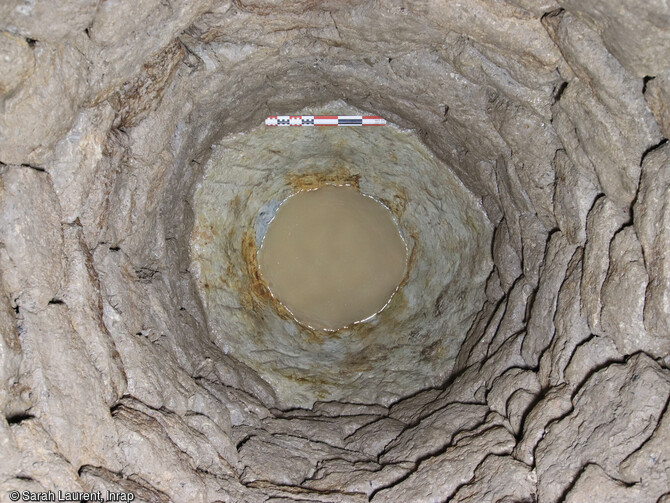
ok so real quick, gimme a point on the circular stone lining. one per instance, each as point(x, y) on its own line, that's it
point(447, 234)
point(333, 256)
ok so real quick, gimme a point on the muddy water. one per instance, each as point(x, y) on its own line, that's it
point(332, 256)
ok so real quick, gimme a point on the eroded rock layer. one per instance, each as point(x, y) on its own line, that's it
point(414, 342)
point(553, 114)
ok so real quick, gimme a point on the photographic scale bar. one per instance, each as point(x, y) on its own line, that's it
point(324, 120)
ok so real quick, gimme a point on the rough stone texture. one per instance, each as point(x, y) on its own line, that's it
point(657, 92)
point(603, 221)
point(264, 457)
point(426, 319)
point(635, 34)
point(360, 477)
point(607, 100)
point(32, 255)
point(438, 477)
point(571, 327)
point(594, 484)
point(433, 432)
point(652, 225)
point(499, 479)
point(372, 438)
point(623, 298)
point(554, 404)
point(509, 383)
point(540, 329)
point(591, 354)
point(635, 395)
point(50, 94)
point(573, 198)
point(540, 377)
point(10, 361)
point(16, 64)
point(647, 468)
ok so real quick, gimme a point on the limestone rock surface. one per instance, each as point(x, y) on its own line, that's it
point(524, 359)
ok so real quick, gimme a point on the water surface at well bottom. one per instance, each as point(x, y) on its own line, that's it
point(332, 256)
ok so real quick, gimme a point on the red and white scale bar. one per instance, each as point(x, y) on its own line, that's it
point(324, 120)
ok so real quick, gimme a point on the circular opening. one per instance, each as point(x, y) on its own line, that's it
point(251, 174)
point(332, 256)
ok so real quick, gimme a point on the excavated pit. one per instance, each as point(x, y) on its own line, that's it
point(413, 343)
point(525, 356)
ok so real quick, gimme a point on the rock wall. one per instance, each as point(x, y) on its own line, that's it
point(553, 114)
point(449, 240)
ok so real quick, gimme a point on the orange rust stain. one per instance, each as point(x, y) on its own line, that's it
point(257, 290)
point(398, 204)
point(431, 351)
point(412, 256)
point(235, 202)
point(128, 273)
point(321, 381)
point(361, 361)
point(203, 234)
point(256, 293)
point(138, 97)
point(310, 181)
